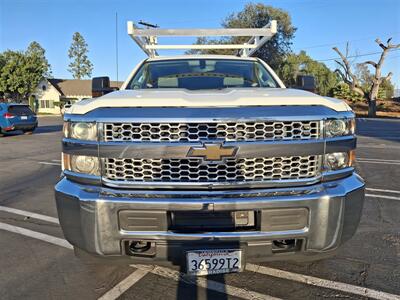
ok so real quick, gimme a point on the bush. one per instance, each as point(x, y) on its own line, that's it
point(342, 91)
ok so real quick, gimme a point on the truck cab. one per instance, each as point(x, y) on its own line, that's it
point(208, 162)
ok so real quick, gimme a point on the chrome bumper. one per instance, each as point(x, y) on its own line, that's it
point(90, 218)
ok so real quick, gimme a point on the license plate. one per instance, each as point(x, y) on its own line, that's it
point(24, 118)
point(217, 261)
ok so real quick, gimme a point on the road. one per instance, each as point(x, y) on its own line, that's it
point(37, 263)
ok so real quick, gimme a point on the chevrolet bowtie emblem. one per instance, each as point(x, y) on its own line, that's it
point(212, 152)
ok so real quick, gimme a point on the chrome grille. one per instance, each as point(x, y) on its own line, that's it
point(191, 132)
point(194, 170)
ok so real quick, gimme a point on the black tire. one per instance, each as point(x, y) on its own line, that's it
point(1, 133)
point(29, 131)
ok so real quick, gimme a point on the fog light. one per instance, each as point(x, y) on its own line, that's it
point(337, 160)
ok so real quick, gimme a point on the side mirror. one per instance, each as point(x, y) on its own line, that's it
point(306, 82)
point(101, 86)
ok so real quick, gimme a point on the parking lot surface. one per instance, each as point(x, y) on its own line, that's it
point(37, 263)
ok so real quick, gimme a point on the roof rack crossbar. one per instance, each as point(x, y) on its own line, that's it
point(147, 39)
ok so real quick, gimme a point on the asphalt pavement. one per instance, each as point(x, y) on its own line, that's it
point(37, 263)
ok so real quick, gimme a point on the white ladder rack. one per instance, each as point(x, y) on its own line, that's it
point(147, 39)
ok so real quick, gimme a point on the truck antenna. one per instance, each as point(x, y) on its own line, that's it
point(116, 42)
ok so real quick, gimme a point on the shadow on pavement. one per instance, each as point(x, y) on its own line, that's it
point(47, 129)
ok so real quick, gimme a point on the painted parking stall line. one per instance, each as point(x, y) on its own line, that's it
point(28, 214)
point(383, 190)
point(216, 286)
point(383, 197)
point(124, 285)
point(49, 163)
point(138, 274)
point(208, 284)
point(323, 283)
point(378, 161)
point(36, 235)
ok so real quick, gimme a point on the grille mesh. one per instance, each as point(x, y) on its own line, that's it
point(188, 132)
point(194, 170)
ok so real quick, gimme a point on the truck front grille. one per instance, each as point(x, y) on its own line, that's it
point(194, 170)
point(191, 132)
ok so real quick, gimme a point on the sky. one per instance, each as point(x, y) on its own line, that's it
point(321, 24)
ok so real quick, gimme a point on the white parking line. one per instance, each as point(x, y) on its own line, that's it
point(377, 159)
point(378, 162)
point(36, 235)
point(382, 190)
point(324, 283)
point(49, 163)
point(383, 196)
point(208, 284)
point(29, 214)
point(216, 286)
point(133, 278)
point(124, 285)
point(381, 146)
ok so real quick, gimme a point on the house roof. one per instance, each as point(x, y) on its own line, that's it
point(77, 87)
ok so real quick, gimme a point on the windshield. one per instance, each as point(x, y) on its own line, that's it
point(198, 74)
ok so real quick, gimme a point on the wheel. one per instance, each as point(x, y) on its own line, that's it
point(1, 133)
point(29, 131)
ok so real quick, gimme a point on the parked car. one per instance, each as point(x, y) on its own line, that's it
point(65, 107)
point(15, 117)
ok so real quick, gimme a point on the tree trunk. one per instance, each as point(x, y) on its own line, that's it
point(371, 108)
point(372, 100)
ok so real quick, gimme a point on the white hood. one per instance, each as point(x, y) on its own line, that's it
point(207, 98)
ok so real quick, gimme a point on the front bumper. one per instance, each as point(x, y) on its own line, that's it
point(321, 217)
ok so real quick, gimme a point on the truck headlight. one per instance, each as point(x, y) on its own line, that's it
point(339, 127)
point(339, 160)
point(80, 131)
point(81, 164)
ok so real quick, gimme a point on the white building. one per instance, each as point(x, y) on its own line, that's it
point(53, 93)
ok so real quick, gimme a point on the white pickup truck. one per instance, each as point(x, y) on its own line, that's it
point(207, 162)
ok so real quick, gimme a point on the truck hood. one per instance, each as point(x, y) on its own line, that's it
point(207, 98)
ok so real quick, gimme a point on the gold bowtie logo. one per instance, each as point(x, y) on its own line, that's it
point(212, 152)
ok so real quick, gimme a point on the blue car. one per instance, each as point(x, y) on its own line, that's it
point(17, 117)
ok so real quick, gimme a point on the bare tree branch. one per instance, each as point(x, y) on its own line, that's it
point(381, 44)
point(388, 76)
point(372, 63)
point(348, 76)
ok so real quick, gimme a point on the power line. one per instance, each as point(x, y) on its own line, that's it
point(356, 56)
point(343, 42)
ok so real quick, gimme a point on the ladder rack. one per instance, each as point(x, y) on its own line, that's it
point(147, 39)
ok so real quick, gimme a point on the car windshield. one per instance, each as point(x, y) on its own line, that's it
point(198, 74)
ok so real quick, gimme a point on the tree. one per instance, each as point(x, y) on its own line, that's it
point(302, 64)
point(21, 71)
point(256, 16)
point(386, 89)
point(350, 78)
point(80, 66)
